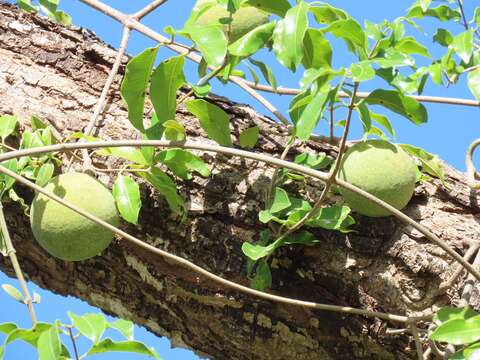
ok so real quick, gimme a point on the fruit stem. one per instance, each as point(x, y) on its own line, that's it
point(11, 253)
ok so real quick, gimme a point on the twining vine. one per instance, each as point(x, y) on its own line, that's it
point(221, 47)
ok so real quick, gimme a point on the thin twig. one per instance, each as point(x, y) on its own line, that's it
point(183, 262)
point(139, 15)
point(462, 12)
point(332, 134)
point(471, 171)
point(8, 147)
point(253, 156)
point(74, 343)
point(416, 338)
point(469, 283)
point(273, 181)
point(16, 266)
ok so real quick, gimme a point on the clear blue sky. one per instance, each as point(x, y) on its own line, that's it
point(448, 133)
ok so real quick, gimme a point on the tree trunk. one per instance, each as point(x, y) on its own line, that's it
point(57, 73)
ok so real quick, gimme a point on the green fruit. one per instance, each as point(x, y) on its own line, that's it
point(244, 20)
point(383, 170)
point(62, 232)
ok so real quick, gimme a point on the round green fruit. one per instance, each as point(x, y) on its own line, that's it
point(244, 20)
point(62, 232)
point(381, 169)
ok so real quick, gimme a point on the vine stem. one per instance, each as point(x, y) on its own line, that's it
point(11, 253)
point(418, 342)
point(74, 343)
point(471, 172)
point(462, 11)
point(187, 264)
point(248, 155)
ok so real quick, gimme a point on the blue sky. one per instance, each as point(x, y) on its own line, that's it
point(449, 131)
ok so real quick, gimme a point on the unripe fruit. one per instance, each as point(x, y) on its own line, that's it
point(62, 232)
point(383, 170)
point(244, 20)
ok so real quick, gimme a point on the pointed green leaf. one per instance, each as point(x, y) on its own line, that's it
point(450, 313)
point(13, 292)
point(167, 78)
point(362, 71)
point(7, 328)
point(30, 336)
point(212, 43)
point(263, 277)
point(181, 162)
point(463, 45)
point(252, 41)
point(108, 345)
point(289, 34)
point(317, 51)
point(134, 85)
point(8, 123)
point(256, 252)
point(396, 102)
point(127, 197)
point(266, 72)
point(394, 58)
point(126, 152)
point(280, 201)
point(174, 130)
point(408, 45)
point(165, 186)
point(443, 37)
point(326, 14)
point(49, 346)
point(124, 326)
point(384, 122)
point(45, 174)
point(249, 137)
point(458, 331)
point(213, 120)
point(92, 326)
point(6, 182)
point(277, 7)
point(474, 82)
point(349, 30)
point(311, 115)
point(26, 5)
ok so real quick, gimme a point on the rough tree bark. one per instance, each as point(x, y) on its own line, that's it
point(57, 73)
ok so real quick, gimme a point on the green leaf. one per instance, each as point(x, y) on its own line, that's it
point(348, 30)
point(127, 197)
point(125, 327)
point(311, 114)
point(301, 238)
point(326, 14)
point(108, 345)
point(26, 5)
point(167, 78)
point(277, 7)
point(362, 71)
point(364, 114)
point(134, 85)
point(6, 182)
point(213, 120)
point(333, 217)
point(252, 41)
point(49, 346)
point(263, 277)
point(30, 336)
point(249, 137)
point(450, 313)
point(7, 328)
point(474, 82)
point(266, 72)
point(400, 104)
point(280, 201)
point(37, 123)
point(165, 186)
point(383, 121)
point(463, 45)
point(126, 152)
point(443, 37)
point(212, 43)
point(394, 58)
point(256, 252)
point(13, 292)
point(442, 13)
point(174, 130)
point(409, 45)
point(92, 326)
point(181, 162)
point(317, 51)
point(458, 331)
point(289, 34)
point(431, 164)
point(313, 161)
point(8, 123)
point(471, 352)
point(45, 173)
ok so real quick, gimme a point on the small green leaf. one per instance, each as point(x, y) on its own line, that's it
point(326, 14)
point(26, 5)
point(252, 41)
point(409, 45)
point(213, 120)
point(442, 13)
point(443, 37)
point(45, 173)
point(394, 58)
point(313, 161)
point(289, 34)
point(108, 345)
point(301, 238)
point(212, 43)
point(7, 328)
point(263, 277)
point(6, 182)
point(266, 72)
point(431, 164)
point(92, 326)
point(474, 82)
point(365, 118)
point(13, 292)
point(127, 197)
point(397, 102)
point(317, 51)
point(30, 336)
point(249, 137)
point(174, 130)
point(126, 152)
point(277, 7)
point(49, 345)
point(463, 45)
point(333, 217)
point(310, 115)
point(8, 123)
point(134, 85)
point(167, 78)
point(125, 327)
point(280, 201)
point(181, 162)
point(256, 252)
point(450, 313)
point(383, 121)
point(458, 331)
point(362, 71)
point(165, 186)
point(348, 30)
